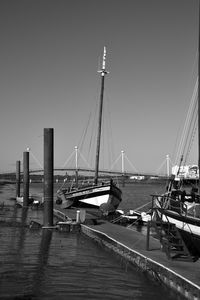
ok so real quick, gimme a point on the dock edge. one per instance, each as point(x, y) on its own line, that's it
point(157, 271)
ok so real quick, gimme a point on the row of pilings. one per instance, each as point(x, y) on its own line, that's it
point(48, 177)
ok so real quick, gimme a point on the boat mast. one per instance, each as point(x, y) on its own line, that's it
point(199, 100)
point(76, 171)
point(103, 72)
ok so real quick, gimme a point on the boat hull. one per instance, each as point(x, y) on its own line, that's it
point(92, 197)
point(189, 228)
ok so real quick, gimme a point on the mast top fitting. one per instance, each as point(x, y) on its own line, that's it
point(103, 69)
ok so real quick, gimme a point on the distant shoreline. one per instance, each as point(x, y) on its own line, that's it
point(6, 181)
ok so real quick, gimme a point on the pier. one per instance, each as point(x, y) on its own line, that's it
point(181, 277)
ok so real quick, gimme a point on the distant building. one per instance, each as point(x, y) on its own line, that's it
point(186, 172)
point(154, 177)
point(137, 177)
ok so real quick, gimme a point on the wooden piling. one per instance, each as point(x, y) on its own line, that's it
point(123, 180)
point(48, 177)
point(25, 179)
point(18, 165)
point(148, 235)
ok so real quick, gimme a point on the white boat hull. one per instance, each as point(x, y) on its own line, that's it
point(95, 196)
point(188, 226)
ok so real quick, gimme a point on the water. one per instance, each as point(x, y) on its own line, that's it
point(40, 264)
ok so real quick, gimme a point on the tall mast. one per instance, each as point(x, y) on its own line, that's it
point(103, 72)
point(76, 171)
point(199, 99)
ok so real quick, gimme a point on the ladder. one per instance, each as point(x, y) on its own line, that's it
point(171, 240)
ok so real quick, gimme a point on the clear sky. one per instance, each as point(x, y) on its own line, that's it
point(49, 57)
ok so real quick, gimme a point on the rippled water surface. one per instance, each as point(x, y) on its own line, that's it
point(44, 264)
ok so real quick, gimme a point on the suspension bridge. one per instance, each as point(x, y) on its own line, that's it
point(69, 168)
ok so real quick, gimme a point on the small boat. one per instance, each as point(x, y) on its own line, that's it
point(32, 201)
point(103, 195)
point(131, 215)
point(145, 217)
point(137, 217)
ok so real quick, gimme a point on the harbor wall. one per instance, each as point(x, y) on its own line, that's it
point(157, 271)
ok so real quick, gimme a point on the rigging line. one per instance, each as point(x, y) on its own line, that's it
point(105, 135)
point(172, 163)
point(109, 136)
point(191, 130)
point(106, 142)
point(185, 129)
point(130, 163)
point(162, 164)
point(80, 144)
point(84, 160)
point(179, 167)
point(116, 160)
point(37, 161)
point(195, 63)
point(192, 118)
point(66, 162)
point(92, 143)
point(109, 130)
point(93, 130)
point(102, 147)
point(191, 138)
point(176, 149)
point(140, 207)
point(187, 120)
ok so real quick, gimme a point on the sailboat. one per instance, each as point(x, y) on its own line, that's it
point(178, 212)
point(104, 195)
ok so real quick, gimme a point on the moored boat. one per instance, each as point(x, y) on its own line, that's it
point(103, 195)
point(32, 201)
point(185, 215)
point(95, 196)
point(177, 212)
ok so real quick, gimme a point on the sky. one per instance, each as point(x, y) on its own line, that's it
point(50, 54)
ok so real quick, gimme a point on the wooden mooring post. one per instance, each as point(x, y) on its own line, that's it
point(148, 235)
point(25, 178)
point(48, 177)
point(18, 181)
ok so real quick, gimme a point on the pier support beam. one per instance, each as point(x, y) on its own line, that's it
point(48, 176)
point(18, 165)
point(25, 178)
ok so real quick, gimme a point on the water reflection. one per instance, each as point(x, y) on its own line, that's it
point(43, 255)
point(22, 231)
point(14, 228)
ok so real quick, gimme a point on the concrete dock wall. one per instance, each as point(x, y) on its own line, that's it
point(157, 271)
